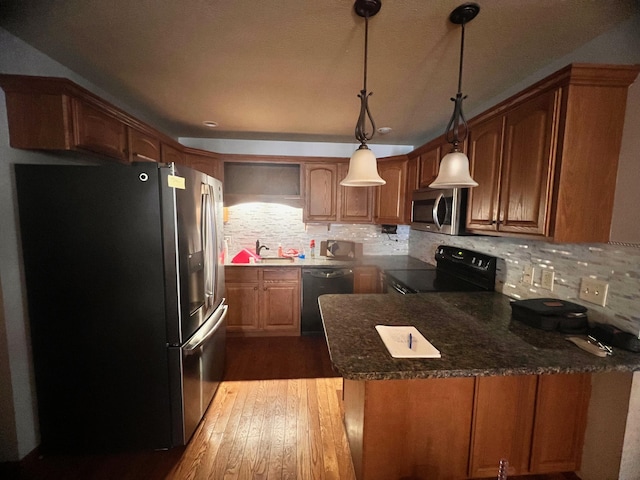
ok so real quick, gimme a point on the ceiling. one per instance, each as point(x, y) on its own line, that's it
point(292, 69)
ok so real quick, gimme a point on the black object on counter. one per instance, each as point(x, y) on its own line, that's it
point(551, 314)
point(610, 335)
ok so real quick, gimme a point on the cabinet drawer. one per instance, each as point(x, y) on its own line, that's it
point(280, 274)
point(241, 274)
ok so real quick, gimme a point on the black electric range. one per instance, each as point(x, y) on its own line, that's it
point(457, 270)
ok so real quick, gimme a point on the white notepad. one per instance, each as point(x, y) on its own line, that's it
point(396, 339)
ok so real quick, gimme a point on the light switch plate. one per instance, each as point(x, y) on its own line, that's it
point(527, 274)
point(547, 279)
point(594, 291)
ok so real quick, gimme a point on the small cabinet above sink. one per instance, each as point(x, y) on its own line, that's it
point(262, 182)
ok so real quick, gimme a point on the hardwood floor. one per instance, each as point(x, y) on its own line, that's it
point(276, 416)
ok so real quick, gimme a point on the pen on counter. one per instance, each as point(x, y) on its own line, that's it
point(410, 341)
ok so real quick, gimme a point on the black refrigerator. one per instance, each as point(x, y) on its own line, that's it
point(124, 274)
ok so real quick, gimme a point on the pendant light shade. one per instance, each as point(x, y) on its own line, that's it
point(454, 172)
point(363, 169)
point(454, 167)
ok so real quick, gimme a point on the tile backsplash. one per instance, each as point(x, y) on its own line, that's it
point(618, 265)
point(274, 224)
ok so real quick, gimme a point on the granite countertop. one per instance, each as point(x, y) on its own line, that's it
point(473, 331)
point(383, 262)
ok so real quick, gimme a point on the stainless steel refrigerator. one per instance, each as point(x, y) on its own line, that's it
point(125, 286)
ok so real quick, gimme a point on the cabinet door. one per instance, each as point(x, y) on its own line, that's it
point(321, 198)
point(244, 312)
point(170, 154)
point(527, 166)
point(560, 420)
point(281, 307)
point(429, 162)
point(356, 203)
point(98, 132)
point(209, 164)
point(503, 422)
point(366, 280)
point(485, 147)
point(143, 147)
point(390, 198)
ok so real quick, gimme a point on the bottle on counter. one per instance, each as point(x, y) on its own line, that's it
point(312, 248)
point(280, 254)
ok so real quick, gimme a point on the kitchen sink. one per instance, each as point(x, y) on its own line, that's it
point(277, 260)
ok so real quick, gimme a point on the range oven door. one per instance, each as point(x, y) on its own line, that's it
point(439, 211)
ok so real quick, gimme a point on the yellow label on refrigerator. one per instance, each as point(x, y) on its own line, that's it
point(176, 182)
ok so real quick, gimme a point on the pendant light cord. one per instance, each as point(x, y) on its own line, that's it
point(452, 133)
point(360, 133)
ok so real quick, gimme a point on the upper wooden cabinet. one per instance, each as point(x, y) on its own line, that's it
point(143, 147)
point(328, 201)
point(97, 131)
point(170, 154)
point(206, 162)
point(546, 159)
point(355, 204)
point(321, 187)
point(48, 113)
point(391, 197)
point(430, 160)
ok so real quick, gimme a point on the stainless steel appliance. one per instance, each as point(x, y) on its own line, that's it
point(457, 270)
point(125, 290)
point(316, 282)
point(439, 211)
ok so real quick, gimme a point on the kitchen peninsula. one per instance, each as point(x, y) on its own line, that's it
point(501, 388)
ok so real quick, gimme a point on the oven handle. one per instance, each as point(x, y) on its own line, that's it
point(435, 211)
point(397, 288)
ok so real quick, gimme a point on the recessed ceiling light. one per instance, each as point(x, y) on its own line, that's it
point(210, 124)
point(384, 130)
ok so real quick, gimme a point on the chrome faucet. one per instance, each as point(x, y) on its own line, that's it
point(260, 247)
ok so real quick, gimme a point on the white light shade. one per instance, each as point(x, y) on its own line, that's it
point(363, 170)
point(454, 172)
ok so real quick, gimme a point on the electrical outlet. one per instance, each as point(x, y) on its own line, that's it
point(594, 291)
point(547, 279)
point(527, 274)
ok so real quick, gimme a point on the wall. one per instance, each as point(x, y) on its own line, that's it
point(275, 224)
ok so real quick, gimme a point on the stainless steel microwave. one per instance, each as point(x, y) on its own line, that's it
point(439, 211)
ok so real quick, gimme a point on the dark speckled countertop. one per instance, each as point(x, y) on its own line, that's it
point(473, 331)
point(383, 262)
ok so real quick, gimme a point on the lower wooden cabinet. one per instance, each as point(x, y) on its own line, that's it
point(263, 300)
point(461, 427)
point(366, 280)
point(535, 422)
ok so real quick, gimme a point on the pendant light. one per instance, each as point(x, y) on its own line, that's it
point(454, 167)
point(363, 170)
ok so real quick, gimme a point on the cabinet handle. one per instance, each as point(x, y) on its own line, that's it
point(255, 288)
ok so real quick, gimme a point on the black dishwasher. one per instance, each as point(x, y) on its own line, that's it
point(316, 282)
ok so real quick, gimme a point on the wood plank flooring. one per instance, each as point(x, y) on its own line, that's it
point(277, 415)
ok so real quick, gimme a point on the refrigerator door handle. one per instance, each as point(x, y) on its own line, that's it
point(207, 237)
point(201, 337)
